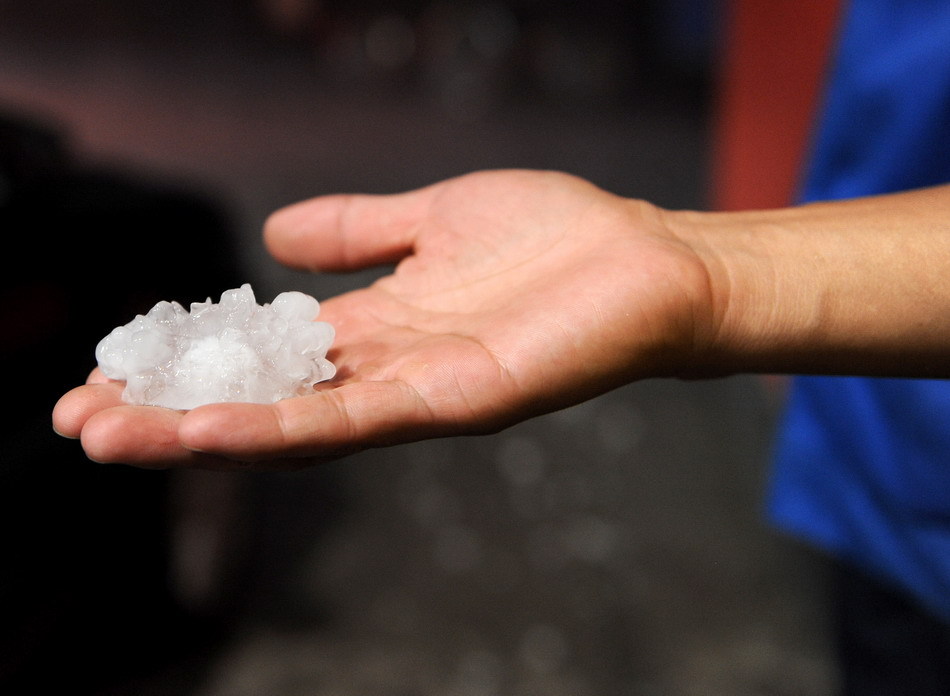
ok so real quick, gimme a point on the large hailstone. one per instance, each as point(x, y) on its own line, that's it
point(233, 351)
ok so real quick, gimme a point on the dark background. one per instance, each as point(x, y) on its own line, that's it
point(613, 548)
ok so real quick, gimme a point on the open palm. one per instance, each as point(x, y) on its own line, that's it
point(515, 293)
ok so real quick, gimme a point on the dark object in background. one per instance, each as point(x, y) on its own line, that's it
point(84, 577)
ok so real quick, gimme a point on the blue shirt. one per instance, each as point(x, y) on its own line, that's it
point(863, 465)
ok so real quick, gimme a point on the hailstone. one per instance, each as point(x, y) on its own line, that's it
point(236, 350)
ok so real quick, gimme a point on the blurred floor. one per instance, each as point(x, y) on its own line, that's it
point(613, 548)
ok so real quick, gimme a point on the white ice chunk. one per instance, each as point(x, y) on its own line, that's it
point(236, 350)
point(295, 305)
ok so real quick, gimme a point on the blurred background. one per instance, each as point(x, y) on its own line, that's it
point(615, 548)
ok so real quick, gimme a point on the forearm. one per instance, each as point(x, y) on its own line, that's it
point(856, 287)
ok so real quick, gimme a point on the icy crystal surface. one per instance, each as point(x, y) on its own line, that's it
point(236, 350)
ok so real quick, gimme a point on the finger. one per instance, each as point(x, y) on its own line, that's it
point(328, 423)
point(143, 436)
point(78, 405)
point(113, 432)
point(96, 377)
point(346, 232)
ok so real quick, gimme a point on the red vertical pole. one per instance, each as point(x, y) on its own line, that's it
point(774, 61)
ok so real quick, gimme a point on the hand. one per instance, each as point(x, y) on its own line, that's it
point(515, 293)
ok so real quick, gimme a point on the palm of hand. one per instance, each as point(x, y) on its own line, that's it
point(516, 293)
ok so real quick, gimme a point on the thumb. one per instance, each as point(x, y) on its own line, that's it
point(346, 232)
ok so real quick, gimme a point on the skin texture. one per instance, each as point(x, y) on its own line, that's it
point(517, 293)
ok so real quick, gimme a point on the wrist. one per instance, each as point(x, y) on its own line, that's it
point(745, 325)
point(850, 287)
point(766, 289)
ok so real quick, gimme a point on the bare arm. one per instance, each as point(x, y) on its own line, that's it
point(853, 287)
point(519, 293)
